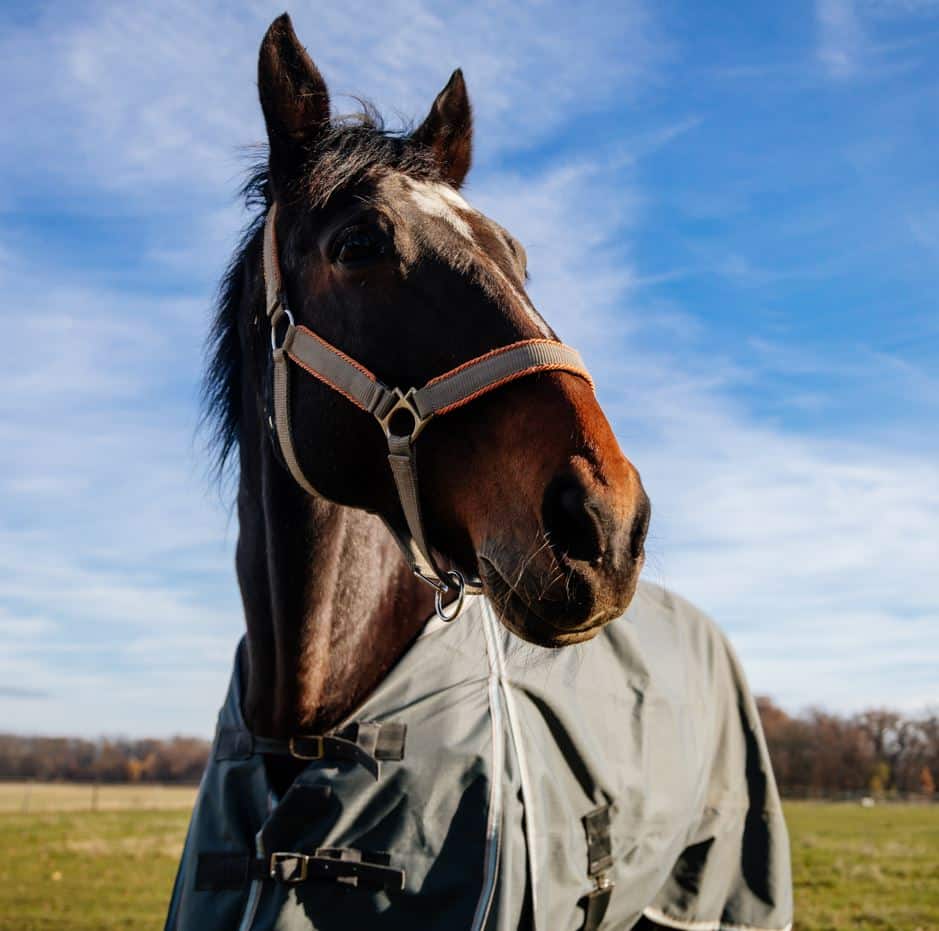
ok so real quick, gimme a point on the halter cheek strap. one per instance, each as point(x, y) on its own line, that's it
point(401, 414)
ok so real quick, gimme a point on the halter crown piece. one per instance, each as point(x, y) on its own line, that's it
point(357, 384)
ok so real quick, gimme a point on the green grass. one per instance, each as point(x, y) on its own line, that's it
point(89, 870)
point(82, 870)
point(875, 869)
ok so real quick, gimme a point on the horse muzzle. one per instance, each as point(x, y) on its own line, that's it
point(585, 571)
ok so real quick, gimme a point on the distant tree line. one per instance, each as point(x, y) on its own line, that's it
point(877, 752)
point(48, 759)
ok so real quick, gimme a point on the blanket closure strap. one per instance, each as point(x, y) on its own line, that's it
point(599, 860)
point(366, 743)
point(402, 414)
point(345, 865)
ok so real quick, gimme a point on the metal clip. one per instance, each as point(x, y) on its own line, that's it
point(457, 607)
point(438, 585)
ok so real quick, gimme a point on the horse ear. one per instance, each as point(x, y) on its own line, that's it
point(293, 95)
point(448, 130)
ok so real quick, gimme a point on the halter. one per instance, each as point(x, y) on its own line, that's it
point(441, 395)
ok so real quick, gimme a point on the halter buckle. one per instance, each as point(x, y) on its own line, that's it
point(404, 402)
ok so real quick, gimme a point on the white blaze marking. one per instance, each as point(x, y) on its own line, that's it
point(440, 200)
point(529, 308)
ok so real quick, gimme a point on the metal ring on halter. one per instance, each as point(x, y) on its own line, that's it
point(457, 606)
point(404, 402)
point(275, 319)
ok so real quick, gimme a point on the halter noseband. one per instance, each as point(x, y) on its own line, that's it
point(357, 384)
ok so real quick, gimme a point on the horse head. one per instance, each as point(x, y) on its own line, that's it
point(380, 256)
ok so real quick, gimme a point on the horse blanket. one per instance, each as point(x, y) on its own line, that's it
point(544, 790)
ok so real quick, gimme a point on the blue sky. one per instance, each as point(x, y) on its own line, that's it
point(732, 209)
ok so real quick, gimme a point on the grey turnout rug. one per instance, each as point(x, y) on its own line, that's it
point(490, 784)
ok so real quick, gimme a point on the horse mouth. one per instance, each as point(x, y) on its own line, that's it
point(522, 617)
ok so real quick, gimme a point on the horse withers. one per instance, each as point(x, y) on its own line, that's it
point(414, 442)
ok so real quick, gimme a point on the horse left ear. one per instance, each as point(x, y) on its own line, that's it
point(448, 130)
point(293, 96)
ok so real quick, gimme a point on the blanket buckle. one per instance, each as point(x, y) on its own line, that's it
point(282, 872)
point(299, 754)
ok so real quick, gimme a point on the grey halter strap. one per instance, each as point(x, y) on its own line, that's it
point(439, 396)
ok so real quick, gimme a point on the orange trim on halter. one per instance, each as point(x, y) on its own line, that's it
point(342, 355)
point(498, 351)
point(328, 383)
point(356, 365)
point(531, 370)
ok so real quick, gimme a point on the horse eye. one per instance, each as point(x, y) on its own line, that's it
point(359, 245)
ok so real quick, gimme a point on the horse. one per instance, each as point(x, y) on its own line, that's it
point(415, 445)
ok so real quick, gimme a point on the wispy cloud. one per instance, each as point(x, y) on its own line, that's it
point(146, 99)
point(894, 8)
point(30, 694)
point(805, 548)
point(841, 39)
point(848, 48)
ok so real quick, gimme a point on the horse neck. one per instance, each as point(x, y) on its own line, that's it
point(330, 604)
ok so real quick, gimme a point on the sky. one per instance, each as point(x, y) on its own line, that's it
point(732, 209)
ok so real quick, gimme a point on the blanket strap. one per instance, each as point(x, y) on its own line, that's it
point(367, 743)
point(346, 865)
point(599, 860)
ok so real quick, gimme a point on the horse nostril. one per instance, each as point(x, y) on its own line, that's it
point(571, 521)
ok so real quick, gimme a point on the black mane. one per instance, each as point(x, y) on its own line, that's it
point(349, 150)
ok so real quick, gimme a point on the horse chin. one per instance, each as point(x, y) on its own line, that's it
point(522, 618)
point(540, 635)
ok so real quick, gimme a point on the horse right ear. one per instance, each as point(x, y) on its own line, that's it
point(448, 130)
point(293, 96)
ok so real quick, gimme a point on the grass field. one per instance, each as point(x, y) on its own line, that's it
point(865, 868)
point(66, 867)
